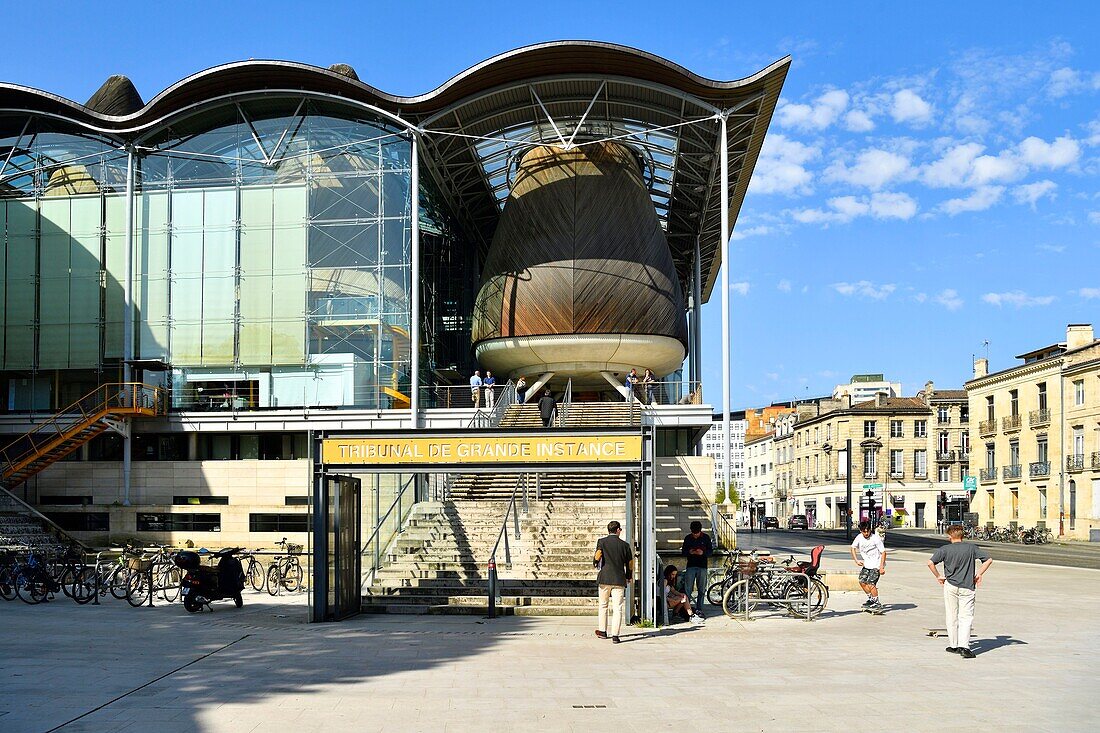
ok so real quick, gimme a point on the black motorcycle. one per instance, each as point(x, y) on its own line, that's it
point(203, 584)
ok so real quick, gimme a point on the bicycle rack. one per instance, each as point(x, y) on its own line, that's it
point(747, 604)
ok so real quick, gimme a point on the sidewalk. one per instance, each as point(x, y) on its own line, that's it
point(1035, 670)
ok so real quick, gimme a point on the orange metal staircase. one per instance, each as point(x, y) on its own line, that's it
point(92, 414)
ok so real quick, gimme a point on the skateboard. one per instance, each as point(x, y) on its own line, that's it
point(876, 612)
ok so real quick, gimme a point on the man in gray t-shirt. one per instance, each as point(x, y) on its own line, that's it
point(960, 582)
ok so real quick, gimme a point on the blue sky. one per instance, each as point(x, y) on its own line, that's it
point(930, 181)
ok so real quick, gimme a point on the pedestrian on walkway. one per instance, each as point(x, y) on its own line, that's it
point(547, 407)
point(960, 585)
point(697, 547)
point(475, 388)
point(521, 390)
point(871, 560)
point(615, 561)
point(631, 384)
point(489, 382)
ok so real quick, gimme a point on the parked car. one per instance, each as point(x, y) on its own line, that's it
point(797, 521)
point(771, 522)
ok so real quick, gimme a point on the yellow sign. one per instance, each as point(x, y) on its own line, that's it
point(483, 449)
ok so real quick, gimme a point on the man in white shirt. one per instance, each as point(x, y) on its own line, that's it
point(869, 554)
point(475, 389)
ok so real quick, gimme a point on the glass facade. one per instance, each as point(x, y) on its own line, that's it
point(271, 265)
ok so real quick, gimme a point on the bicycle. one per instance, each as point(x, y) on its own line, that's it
point(285, 572)
point(784, 584)
point(254, 573)
point(33, 582)
point(736, 569)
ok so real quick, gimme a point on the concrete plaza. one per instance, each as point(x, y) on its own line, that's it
point(115, 668)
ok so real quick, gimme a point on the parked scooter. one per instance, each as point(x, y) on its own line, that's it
point(203, 584)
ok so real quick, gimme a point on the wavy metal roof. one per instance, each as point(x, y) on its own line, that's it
point(474, 125)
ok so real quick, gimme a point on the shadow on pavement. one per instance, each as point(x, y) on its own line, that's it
point(980, 646)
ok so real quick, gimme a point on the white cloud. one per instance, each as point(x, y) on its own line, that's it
point(1094, 132)
point(865, 288)
point(909, 107)
point(953, 168)
point(873, 169)
point(920, 297)
point(988, 169)
point(842, 209)
point(1030, 193)
point(782, 166)
point(949, 299)
point(1094, 217)
point(980, 200)
point(750, 232)
point(741, 288)
point(1089, 293)
point(817, 115)
point(858, 121)
point(784, 286)
point(1055, 248)
point(1066, 81)
point(1038, 153)
point(1017, 298)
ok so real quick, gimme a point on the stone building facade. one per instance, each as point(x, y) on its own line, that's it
point(1038, 455)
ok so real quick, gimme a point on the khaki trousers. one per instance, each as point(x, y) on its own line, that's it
point(616, 595)
point(959, 605)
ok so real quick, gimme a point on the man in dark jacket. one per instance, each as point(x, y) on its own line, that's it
point(615, 560)
point(697, 548)
point(547, 406)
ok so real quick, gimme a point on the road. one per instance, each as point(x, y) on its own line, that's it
point(1067, 554)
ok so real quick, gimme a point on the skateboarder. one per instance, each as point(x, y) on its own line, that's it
point(872, 561)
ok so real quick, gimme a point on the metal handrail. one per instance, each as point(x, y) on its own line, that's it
point(566, 401)
point(503, 534)
point(104, 398)
point(730, 529)
point(500, 405)
point(377, 552)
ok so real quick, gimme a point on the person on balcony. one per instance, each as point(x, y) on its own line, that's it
point(475, 388)
point(489, 383)
point(649, 384)
point(631, 384)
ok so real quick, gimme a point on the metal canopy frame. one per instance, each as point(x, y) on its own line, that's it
point(473, 146)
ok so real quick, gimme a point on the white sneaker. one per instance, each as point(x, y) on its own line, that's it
point(695, 619)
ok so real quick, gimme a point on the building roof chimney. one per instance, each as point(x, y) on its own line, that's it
point(1078, 335)
point(981, 367)
point(880, 399)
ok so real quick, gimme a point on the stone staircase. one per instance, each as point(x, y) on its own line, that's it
point(23, 528)
point(438, 563)
point(579, 415)
point(551, 486)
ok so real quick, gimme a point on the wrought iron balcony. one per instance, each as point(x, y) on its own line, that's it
point(987, 427)
point(1096, 460)
point(945, 456)
point(1039, 468)
point(1010, 422)
point(1039, 417)
point(964, 455)
point(988, 474)
point(1011, 473)
point(1075, 462)
point(944, 420)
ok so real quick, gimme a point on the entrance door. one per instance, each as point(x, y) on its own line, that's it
point(920, 516)
point(337, 588)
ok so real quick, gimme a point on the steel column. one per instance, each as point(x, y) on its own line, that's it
point(725, 241)
point(414, 296)
point(128, 319)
